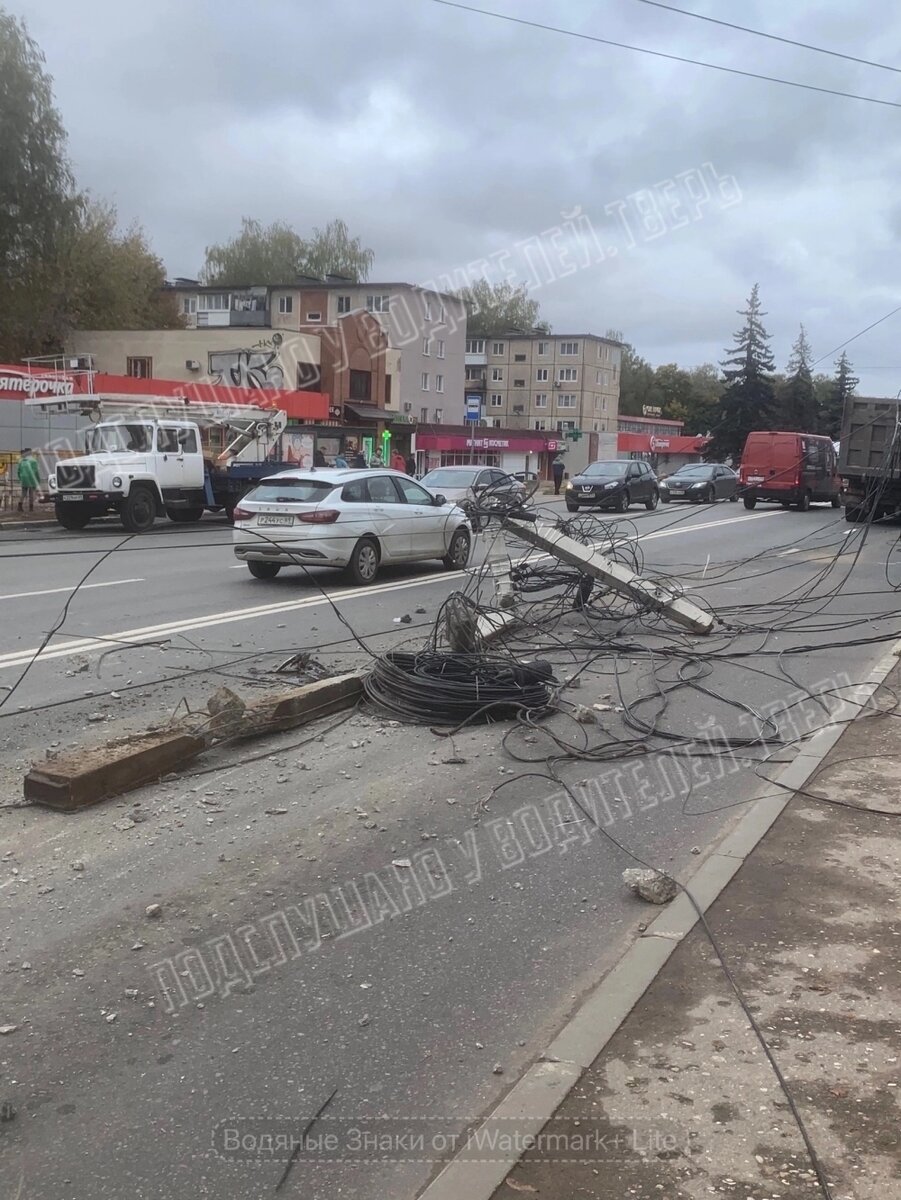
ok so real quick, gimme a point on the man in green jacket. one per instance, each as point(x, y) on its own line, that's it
point(29, 479)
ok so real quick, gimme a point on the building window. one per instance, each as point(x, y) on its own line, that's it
point(427, 306)
point(604, 353)
point(425, 381)
point(566, 400)
point(475, 345)
point(343, 305)
point(213, 302)
point(475, 374)
point(309, 378)
point(568, 374)
point(541, 375)
point(541, 423)
point(285, 305)
point(496, 400)
point(189, 305)
point(439, 383)
point(361, 386)
point(424, 416)
point(497, 374)
point(426, 346)
point(562, 426)
point(541, 399)
point(519, 358)
point(139, 368)
point(542, 347)
point(519, 383)
point(314, 317)
point(377, 304)
point(569, 348)
point(440, 348)
point(497, 347)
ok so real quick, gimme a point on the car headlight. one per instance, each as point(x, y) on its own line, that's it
point(116, 481)
point(608, 486)
point(569, 484)
point(51, 482)
point(699, 485)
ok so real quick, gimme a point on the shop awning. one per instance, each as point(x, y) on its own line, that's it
point(369, 412)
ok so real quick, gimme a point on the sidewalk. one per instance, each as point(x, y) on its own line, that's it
point(682, 1103)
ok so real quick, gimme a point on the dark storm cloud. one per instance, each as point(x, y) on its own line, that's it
point(443, 138)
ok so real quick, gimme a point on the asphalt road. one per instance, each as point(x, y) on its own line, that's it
point(417, 991)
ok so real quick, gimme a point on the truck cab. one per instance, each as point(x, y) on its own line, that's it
point(137, 467)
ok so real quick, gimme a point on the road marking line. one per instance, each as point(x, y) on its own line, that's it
point(21, 658)
point(74, 587)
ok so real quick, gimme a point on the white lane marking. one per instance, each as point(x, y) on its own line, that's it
point(57, 591)
point(21, 658)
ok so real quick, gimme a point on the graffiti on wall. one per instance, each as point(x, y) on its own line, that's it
point(247, 368)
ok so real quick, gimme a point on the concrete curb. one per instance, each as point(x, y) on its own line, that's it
point(539, 1093)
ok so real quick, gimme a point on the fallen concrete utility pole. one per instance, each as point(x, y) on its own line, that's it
point(85, 777)
point(543, 535)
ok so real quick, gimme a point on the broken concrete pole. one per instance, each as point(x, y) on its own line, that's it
point(226, 709)
point(301, 706)
point(654, 886)
point(86, 777)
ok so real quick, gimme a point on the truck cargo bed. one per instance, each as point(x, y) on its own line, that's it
point(868, 429)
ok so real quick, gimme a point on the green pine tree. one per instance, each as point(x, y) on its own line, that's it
point(748, 400)
point(798, 402)
point(843, 385)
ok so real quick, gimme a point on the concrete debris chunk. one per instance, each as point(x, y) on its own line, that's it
point(123, 824)
point(5, 1029)
point(226, 708)
point(153, 911)
point(654, 886)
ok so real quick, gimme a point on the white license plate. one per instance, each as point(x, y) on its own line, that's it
point(677, 491)
point(71, 496)
point(270, 519)
point(755, 479)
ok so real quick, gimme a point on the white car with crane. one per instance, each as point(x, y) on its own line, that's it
point(144, 458)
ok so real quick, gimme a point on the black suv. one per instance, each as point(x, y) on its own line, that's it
point(615, 484)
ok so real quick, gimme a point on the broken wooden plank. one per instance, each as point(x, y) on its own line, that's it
point(546, 536)
point(85, 777)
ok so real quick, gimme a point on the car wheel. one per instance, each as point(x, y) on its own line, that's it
point(733, 499)
point(458, 551)
point(651, 503)
point(623, 500)
point(138, 510)
point(750, 501)
point(364, 561)
point(571, 507)
point(263, 570)
point(710, 498)
point(665, 497)
point(804, 502)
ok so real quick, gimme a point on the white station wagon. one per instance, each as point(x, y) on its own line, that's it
point(355, 519)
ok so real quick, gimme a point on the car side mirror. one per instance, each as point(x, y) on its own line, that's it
point(439, 500)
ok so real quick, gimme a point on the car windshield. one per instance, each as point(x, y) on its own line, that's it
point(699, 472)
point(119, 439)
point(611, 470)
point(291, 491)
point(460, 477)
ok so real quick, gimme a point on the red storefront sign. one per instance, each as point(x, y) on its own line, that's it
point(17, 383)
point(643, 443)
point(454, 441)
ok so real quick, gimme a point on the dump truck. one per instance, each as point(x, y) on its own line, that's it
point(144, 458)
point(869, 458)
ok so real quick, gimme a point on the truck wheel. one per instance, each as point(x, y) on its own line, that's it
point(364, 561)
point(71, 517)
point(138, 510)
point(183, 516)
point(804, 502)
point(263, 570)
point(750, 501)
point(837, 501)
point(855, 515)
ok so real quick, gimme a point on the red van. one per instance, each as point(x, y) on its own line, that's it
point(790, 468)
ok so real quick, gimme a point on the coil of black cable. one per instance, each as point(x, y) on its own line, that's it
point(435, 688)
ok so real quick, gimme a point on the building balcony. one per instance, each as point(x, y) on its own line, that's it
point(475, 360)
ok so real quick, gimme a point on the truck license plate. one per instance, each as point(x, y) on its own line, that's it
point(70, 496)
point(271, 519)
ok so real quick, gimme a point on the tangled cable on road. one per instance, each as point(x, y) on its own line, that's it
point(434, 688)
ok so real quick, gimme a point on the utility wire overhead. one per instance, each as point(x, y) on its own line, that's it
point(694, 62)
point(773, 37)
point(842, 345)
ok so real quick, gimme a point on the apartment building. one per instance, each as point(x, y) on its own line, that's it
point(425, 330)
point(544, 382)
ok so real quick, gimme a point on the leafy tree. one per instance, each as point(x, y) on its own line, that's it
point(37, 201)
point(691, 396)
point(276, 253)
point(842, 385)
point(798, 402)
point(111, 279)
point(748, 399)
point(493, 309)
point(637, 384)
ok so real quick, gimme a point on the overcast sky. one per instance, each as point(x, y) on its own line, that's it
point(445, 139)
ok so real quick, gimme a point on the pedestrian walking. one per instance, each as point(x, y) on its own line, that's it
point(340, 460)
point(557, 468)
point(29, 477)
point(411, 464)
point(319, 459)
point(398, 463)
point(376, 460)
